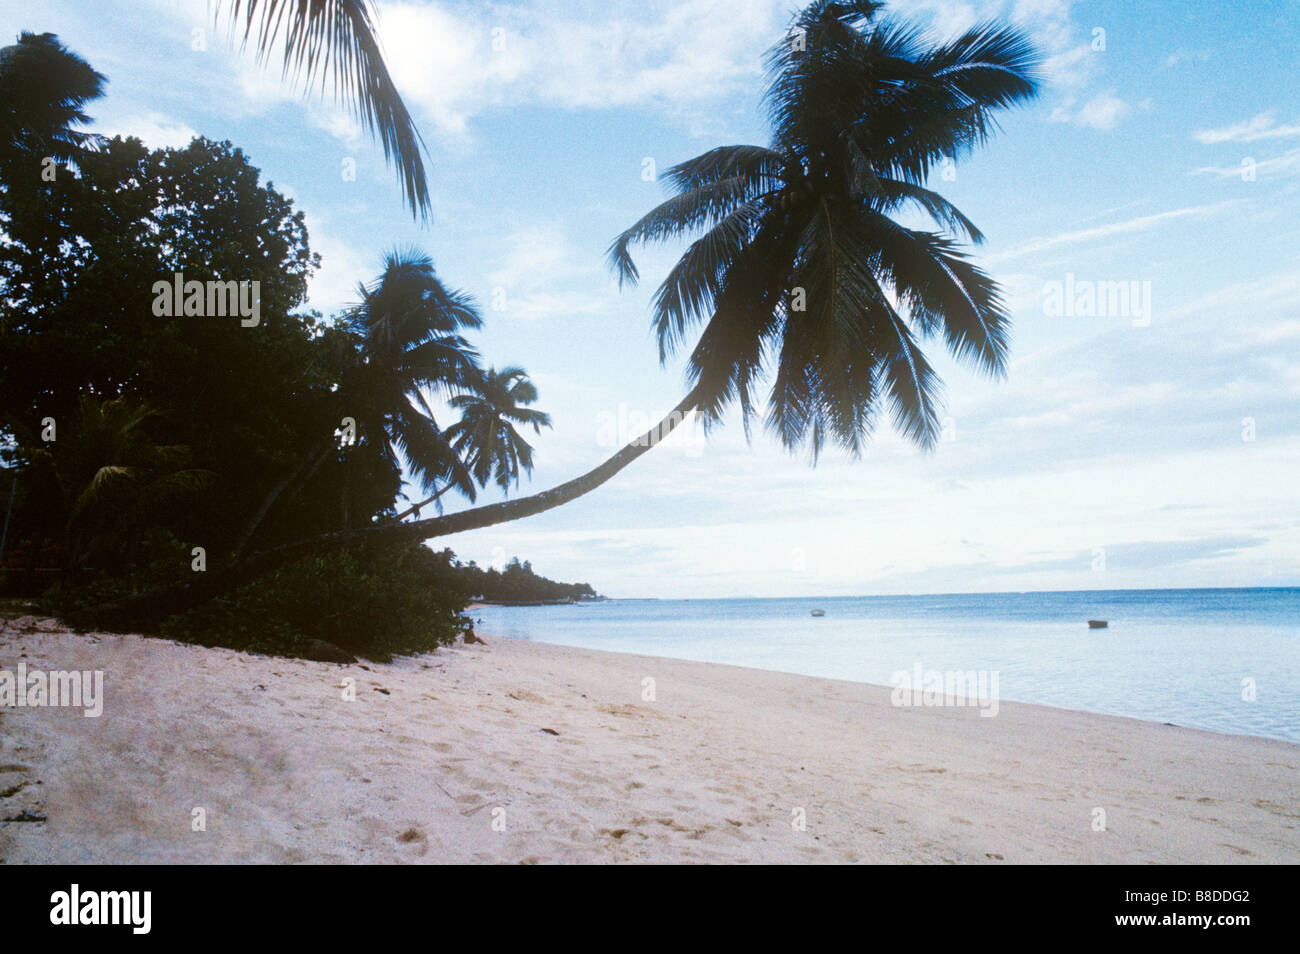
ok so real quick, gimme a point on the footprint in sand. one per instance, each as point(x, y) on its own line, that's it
point(523, 695)
point(12, 790)
point(1276, 809)
point(10, 787)
point(415, 841)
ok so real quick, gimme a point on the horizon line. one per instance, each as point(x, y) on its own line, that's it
point(859, 596)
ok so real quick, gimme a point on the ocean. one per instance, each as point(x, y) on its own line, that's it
point(1226, 660)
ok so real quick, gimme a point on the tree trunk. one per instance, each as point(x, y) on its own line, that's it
point(177, 597)
point(423, 503)
point(308, 465)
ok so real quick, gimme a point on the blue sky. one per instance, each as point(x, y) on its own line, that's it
point(1160, 447)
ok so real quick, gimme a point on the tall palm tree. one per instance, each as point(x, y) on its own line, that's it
point(335, 42)
point(802, 274)
point(409, 348)
point(44, 88)
point(409, 326)
point(801, 264)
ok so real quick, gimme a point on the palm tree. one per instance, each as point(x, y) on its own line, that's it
point(335, 41)
point(112, 479)
point(485, 437)
point(800, 263)
point(802, 275)
point(409, 326)
point(409, 348)
point(43, 89)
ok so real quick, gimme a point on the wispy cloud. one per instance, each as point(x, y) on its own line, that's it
point(454, 62)
point(1288, 162)
point(1147, 554)
point(1140, 224)
point(334, 285)
point(1263, 126)
point(542, 275)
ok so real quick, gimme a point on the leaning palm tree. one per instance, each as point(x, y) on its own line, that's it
point(44, 88)
point(803, 277)
point(335, 42)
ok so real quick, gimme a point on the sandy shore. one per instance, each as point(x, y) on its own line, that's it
point(557, 746)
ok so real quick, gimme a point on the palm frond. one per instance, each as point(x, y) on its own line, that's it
point(44, 88)
point(688, 293)
point(703, 204)
point(944, 292)
point(800, 274)
point(335, 41)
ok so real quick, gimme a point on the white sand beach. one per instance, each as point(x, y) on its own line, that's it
point(558, 747)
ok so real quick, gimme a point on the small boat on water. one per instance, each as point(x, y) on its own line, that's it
point(819, 612)
point(1097, 624)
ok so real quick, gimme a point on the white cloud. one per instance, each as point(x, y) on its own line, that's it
point(1263, 126)
point(541, 275)
point(455, 63)
point(334, 285)
point(533, 253)
point(153, 129)
point(1140, 224)
point(1286, 163)
point(1102, 113)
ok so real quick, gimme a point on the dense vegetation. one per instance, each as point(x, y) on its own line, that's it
point(125, 432)
point(516, 583)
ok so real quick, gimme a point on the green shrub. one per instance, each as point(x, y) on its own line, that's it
point(375, 604)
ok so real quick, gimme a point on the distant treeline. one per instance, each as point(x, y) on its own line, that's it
point(517, 583)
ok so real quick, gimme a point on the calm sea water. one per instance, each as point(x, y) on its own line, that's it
point(1176, 656)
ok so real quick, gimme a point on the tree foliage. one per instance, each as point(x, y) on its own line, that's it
point(802, 278)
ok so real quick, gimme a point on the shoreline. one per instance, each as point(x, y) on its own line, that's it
point(562, 748)
point(1106, 690)
point(883, 687)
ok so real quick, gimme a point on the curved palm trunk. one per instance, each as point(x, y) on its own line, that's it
point(163, 601)
point(423, 503)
